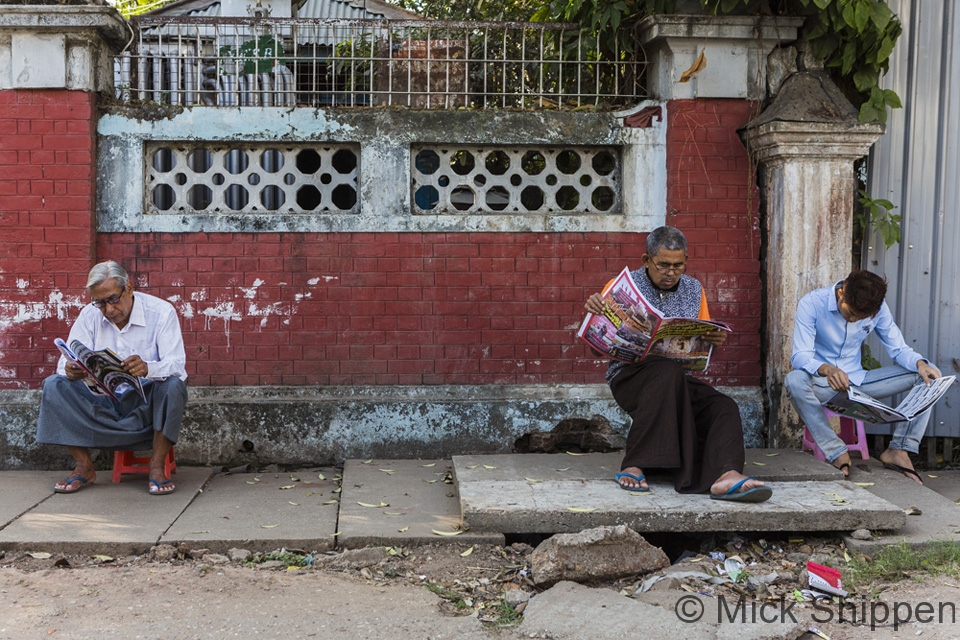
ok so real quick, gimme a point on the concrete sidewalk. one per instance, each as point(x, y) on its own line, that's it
point(467, 499)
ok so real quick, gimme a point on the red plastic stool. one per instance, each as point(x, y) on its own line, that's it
point(129, 462)
point(852, 432)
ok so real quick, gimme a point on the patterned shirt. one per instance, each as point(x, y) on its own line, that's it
point(683, 301)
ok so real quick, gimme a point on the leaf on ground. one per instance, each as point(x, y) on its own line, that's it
point(930, 475)
point(251, 482)
point(296, 504)
point(404, 529)
point(432, 481)
point(581, 509)
point(760, 464)
point(373, 506)
point(564, 469)
point(321, 476)
point(472, 466)
point(770, 455)
point(39, 555)
point(489, 466)
point(393, 513)
point(447, 533)
point(533, 481)
point(389, 472)
point(287, 486)
point(432, 464)
point(864, 484)
point(330, 502)
point(639, 493)
point(466, 553)
point(334, 535)
point(269, 526)
point(103, 558)
point(366, 461)
point(337, 490)
point(338, 477)
point(391, 551)
point(573, 453)
point(913, 511)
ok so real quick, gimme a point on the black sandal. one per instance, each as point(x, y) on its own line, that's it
point(904, 470)
point(844, 469)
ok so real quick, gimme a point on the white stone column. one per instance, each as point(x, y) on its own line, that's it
point(735, 50)
point(808, 189)
point(60, 46)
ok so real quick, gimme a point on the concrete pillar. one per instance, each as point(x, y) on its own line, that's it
point(805, 142)
point(734, 49)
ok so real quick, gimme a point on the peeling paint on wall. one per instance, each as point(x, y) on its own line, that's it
point(57, 306)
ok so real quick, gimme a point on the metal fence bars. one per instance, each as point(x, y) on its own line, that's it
point(228, 62)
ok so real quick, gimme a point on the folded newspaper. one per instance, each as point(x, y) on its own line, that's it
point(855, 404)
point(631, 328)
point(104, 369)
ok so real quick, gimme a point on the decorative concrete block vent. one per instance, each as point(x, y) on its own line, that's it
point(251, 178)
point(516, 179)
point(594, 555)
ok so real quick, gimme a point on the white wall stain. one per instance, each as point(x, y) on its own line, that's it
point(57, 306)
point(313, 281)
point(22, 284)
point(224, 311)
point(251, 292)
point(330, 278)
point(8, 372)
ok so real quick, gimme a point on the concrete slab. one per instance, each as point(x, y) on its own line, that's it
point(939, 518)
point(569, 611)
point(24, 490)
point(782, 465)
point(106, 518)
point(420, 502)
point(552, 493)
point(945, 482)
point(261, 512)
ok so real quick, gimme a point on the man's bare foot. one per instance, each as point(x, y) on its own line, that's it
point(78, 479)
point(842, 462)
point(629, 483)
point(729, 479)
point(899, 460)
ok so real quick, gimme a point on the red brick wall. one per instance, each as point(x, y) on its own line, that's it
point(46, 223)
point(366, 308)
point(712, 196)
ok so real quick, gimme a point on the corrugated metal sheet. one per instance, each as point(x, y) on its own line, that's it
point(916, 165)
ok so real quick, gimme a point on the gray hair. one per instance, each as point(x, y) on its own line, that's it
point(106, 271)
point(669, 238)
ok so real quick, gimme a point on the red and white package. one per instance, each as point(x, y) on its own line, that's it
point(825, 579)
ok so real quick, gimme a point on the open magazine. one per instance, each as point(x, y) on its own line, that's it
point(631, 328)
point(859, 406)
point(104, 369)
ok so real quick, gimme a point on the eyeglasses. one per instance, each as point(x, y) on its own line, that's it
point(112, 300)
point(663, 268)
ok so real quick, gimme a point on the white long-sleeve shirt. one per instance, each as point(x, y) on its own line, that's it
point(152, 332)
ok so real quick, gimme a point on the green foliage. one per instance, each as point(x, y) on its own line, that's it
point(854, 38)
point(509, 10)
point(899, 561)
point(867, 361)
point(878, 214)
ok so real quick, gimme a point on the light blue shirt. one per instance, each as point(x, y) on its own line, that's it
point(821, 336)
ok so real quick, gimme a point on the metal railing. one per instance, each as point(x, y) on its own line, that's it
point(230, 62)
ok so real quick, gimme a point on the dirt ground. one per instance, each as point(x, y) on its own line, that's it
point(435, 591)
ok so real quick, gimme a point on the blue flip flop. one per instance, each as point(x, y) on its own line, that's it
point(639, 479)
point(757, 494)
point(156, 486)
point(69, 481)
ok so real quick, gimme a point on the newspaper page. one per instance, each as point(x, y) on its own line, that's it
point(104, 369)
point(859, 406)
point(631, 327)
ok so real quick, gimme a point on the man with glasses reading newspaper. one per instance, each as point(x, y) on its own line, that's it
point(679, 422)
point(145, 332)
point(830, 327)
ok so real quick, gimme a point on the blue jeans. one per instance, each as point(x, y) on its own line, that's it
point(808, 392)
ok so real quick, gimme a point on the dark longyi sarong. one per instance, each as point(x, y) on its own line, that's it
point(678, 422)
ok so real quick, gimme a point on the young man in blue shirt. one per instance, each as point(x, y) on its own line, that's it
point(830, 327)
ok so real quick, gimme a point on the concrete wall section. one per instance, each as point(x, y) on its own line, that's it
point(289, 425)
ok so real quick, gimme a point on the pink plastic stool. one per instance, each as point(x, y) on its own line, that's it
point(129, 462)
point(852, 432)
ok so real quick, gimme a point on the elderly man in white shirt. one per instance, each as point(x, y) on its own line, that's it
point(831, 325)
point(145, 332)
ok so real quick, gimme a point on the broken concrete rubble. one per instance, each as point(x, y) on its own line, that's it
point(593, 555)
